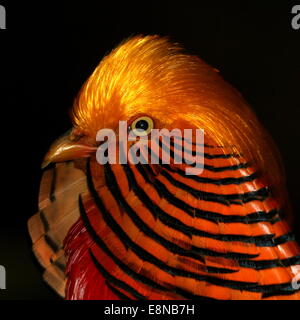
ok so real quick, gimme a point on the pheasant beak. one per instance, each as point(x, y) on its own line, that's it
point(68, 147)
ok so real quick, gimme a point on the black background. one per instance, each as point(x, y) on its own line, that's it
point(49, 49)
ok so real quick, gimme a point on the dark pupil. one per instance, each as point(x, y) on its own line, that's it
point(142, 125)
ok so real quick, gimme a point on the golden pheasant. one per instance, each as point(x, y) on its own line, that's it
point(152, 231)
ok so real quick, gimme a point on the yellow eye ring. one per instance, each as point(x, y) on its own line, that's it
point(142, 126)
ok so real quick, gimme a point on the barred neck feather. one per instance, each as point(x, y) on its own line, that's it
point(159, 234)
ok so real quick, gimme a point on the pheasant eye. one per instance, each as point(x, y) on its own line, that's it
point(142, 126)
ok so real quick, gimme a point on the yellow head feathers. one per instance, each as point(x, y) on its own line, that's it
point(154, 77)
